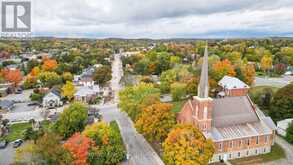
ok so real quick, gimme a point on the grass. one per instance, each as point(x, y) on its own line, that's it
point(276, 153)
point(16, 131)
point(177, 105)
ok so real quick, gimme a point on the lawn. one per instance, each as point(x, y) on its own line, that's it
point(16, 131)
point(276, 153)
point(177, 106)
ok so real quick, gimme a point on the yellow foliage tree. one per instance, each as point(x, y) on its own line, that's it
point(156, 121)
point(248, 72)
point(186, 145)
point(266, 63)
point(68, 90)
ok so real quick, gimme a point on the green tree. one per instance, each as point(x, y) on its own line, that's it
point(131, 97)
point(186, 145)
point(49, 79)
point(46, 150)
point(282, 104)
point(73, 119)
point(156, 121)
point(289, 133)
point(102, 75)
point(178, 91)
point(167, 78)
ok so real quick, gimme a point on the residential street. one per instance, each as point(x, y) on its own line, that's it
point(277, 82)
point(138, 149)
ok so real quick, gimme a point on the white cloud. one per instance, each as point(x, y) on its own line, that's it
point(161, 18)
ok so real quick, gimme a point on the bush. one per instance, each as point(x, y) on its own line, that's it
point(289, 133)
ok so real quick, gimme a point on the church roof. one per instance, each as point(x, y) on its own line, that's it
point(229, 82)
point(233, 110)
point(203, 87)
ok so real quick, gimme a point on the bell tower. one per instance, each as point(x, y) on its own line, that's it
point(203, 103)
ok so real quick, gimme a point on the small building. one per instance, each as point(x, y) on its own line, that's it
point(52, 99)
point(87, 94)
point(283, 125)
point(6, 105)
point(232, 86)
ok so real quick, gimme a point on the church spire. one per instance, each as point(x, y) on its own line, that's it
point(203, 87)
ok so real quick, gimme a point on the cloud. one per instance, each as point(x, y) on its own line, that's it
point(162, 18)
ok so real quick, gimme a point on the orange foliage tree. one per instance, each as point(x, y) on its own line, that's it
point(12, 75)
point(222, 68)
point(78, 145)
point(156, 121)
point(49, 65)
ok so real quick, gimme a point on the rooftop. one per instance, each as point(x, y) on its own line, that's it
point(229, 82)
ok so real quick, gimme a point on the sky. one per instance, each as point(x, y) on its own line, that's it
point(162, 18)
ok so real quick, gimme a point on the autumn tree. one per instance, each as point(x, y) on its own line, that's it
point(156, 121)
point(248, 72)
point(79, 145)
point(46, 150)
point(266, 63)
point(35, 71)
point(109, 149)
point(186, 145)
point(68, 90)
point(49, 79)
point(72, 119)
point(67, 76)
point(222, 68)
point(12, 75)
point(49, 65)
point(131, 97)
point(102, 75)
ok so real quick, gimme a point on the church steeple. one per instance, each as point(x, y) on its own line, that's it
point(203, 87)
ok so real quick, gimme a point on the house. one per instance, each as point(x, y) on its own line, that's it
point(86, 78)
point(52, 99)
point(87, 94)
point(5, 89)
point(6, 105)
point(283, 125)
point(233, 122)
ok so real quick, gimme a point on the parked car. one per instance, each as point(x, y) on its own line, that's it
point(3, 144)
point(17, 143)
point(33, 103)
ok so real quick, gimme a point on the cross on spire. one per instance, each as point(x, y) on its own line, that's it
point(203, 87)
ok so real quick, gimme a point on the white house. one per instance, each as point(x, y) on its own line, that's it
point(52, 99)
point(283, 125)
point(87, 93)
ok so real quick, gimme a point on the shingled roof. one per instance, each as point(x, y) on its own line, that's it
point(232, 111)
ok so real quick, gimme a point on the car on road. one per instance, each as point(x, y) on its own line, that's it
point(3, 144)
point(33, 103)
point(17, 143)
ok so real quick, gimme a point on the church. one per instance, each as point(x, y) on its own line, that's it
point(233, 122)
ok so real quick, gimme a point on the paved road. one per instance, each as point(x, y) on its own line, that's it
point(137, 147)
point(23, 97)
point(278, 82)
point(7, 155)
